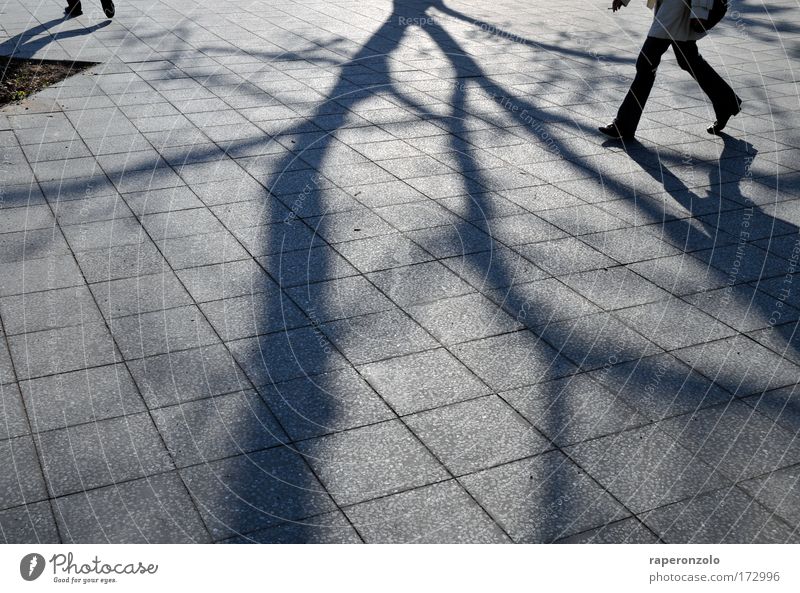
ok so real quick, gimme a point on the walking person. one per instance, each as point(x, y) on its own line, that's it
point(679, 24)
point(73, 8)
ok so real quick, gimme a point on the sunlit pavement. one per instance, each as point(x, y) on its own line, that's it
point(353, 271)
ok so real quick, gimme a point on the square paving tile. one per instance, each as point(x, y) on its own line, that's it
point(660, 386)
point(573, 409)
point(726, 516)
point(422, 381)
point(142, 294)
point(421, 283)
point(220, 426)
point(22, 481)
point(542, 499)
point(477, 434)
point(644, 468)
point(463, 318)
point(175, 377)
point(439, 513)
point(101, 453)
point(779, 492)
point(32, 523)
point(513, 360)
point(740, 365)
point(67, 399)
point(322, 404)
point(286, 355)
point(13, 417)
point(245, 493)
point(155, 510)
point(162, 331)
point(614, 288)
point(735, 439)
point(55, 351)
point(329, 528)
point(371, 462)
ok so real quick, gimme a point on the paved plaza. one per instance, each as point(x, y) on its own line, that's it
point(365, 271)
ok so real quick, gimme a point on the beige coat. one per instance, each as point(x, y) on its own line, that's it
point(671, 18)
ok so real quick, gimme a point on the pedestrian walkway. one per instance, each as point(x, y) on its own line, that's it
point(365, 272)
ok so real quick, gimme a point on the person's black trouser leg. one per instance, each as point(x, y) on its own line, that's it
point(74, 7)
point(630, 112)
point(719, 92)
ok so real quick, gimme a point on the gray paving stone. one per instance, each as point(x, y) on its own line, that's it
point(495, 269)
point(513, 360)
point(22, 482)
point(245, 493)
point(781, 405)
point(735, 439)
point(627, 531)
point(596, 340)
point(90, 210)
point(32, 523)
point(125, 261)
point(370, 462)
point(247, 316)
point(724, 516)
point(13, 418)
point(176, 377)
point(422, 381)
point(170, 199)
point(439, 513)
point(101, 453)
point(674, 324)
point(382, 253)
point(644, 468)
point(154, 510)
point(305, 266)
point(743, 308)
point(330, 528)
point(614, 288)
point(54, 351)
point(286, 355)
point(463, 318)
point(779, 492)
point(6, 367)
point(220, 426)
point(477, 434)
point(163, 331)
point(48, 310)
point(565, 256)
point(542, 499)
point(378, 336)
point(23, 245)
point(142, 294)
point(332, 402)
point(660, 386)
point(419, 283)
point(573, 409)
point(339, 299)
point(33, 275)
point(201, 250)
point(740, 365)
point(59, 401)
point(226, 280)
point(453, 241)
point(542, 302)
point(26, 218)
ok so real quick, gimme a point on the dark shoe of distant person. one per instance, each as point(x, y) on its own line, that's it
point(72, 9)
point(612, 131)
point(108, 8)
point(722, 120)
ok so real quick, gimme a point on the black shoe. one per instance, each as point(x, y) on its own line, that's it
point(108, 8)
point(71, 13)
point(722, 121)
point(613, 131)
